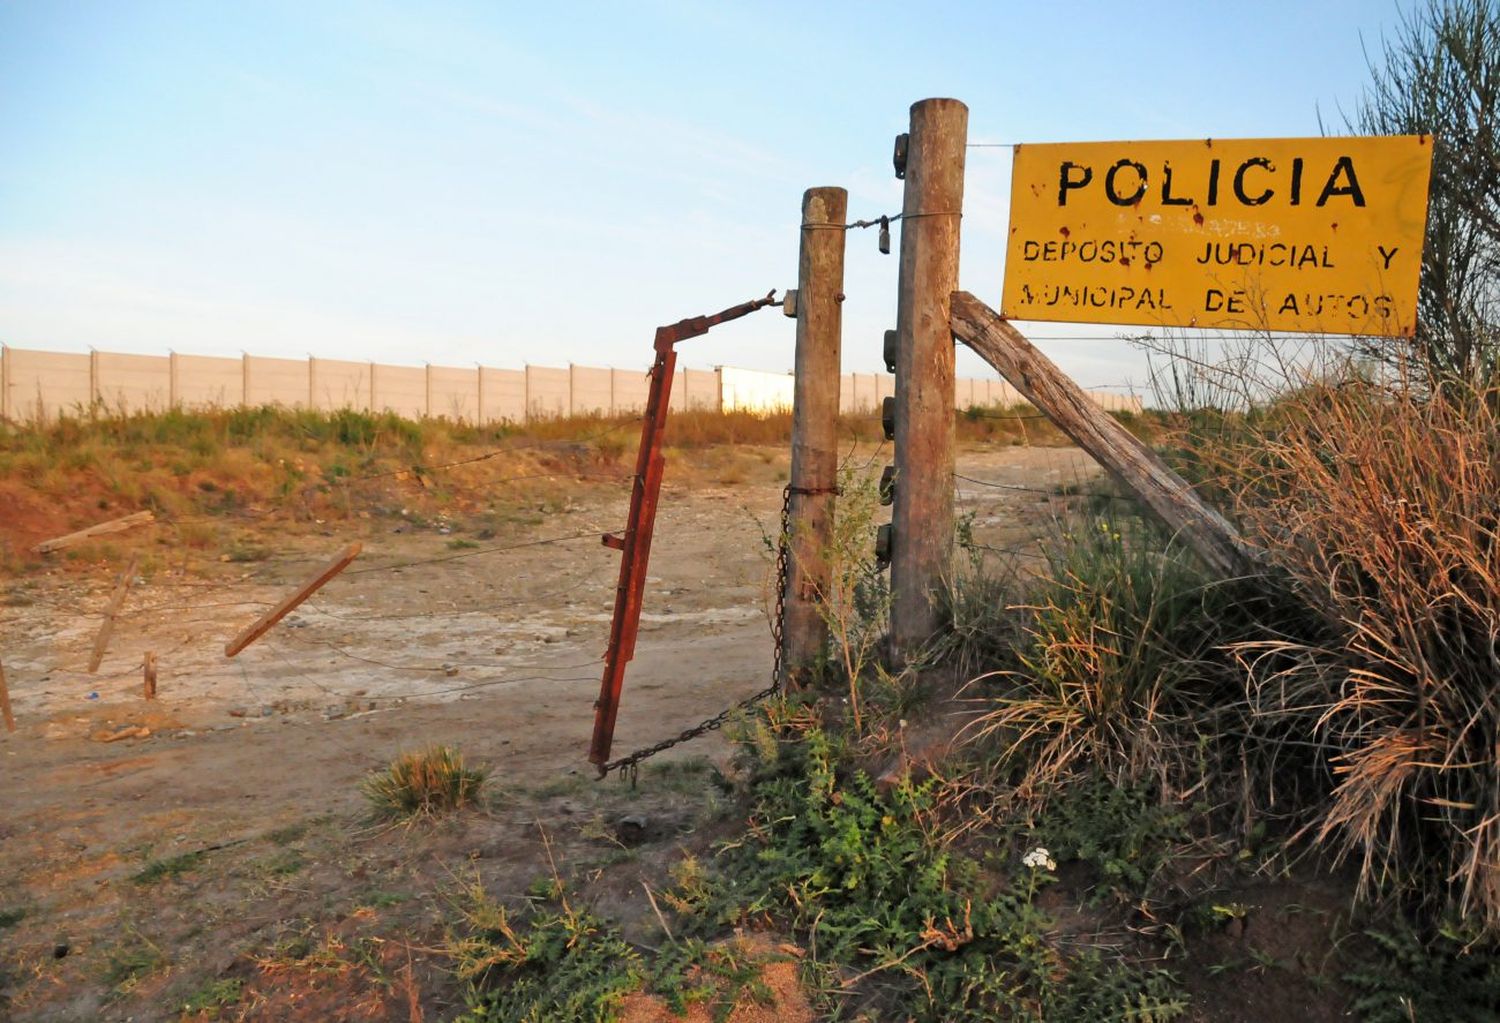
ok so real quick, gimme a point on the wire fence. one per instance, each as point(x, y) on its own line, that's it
point(212, 604)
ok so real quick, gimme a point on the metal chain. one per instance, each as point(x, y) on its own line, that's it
point(629, 765)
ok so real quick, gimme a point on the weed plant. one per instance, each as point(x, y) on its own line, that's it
point(423, 783)
point(980, 631)
point(552, 964)
point(855, 603)
point(1452, 976)
point(911, 926)
point(1125, 834)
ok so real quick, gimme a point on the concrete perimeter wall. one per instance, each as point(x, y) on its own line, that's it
point(39, 385)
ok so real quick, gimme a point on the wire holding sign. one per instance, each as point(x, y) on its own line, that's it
point(1310, 235)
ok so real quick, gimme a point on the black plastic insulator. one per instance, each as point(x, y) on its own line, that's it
point(888, 417)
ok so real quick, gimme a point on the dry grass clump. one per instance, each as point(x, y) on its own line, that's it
point(423, 783)
point(1119, 666)
point(1382, 506)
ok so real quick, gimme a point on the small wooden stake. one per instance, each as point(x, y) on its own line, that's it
point(263, 624)
point(148, 674)
point(102, 529)
point(1135, 465)
point(101, 641)
point(10, 722)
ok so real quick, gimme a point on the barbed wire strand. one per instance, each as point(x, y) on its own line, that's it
point(541, 673)
point(1021, 488)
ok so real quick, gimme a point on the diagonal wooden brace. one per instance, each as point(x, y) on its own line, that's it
point(1135, 465)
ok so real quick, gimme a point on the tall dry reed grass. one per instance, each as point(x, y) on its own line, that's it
point(1381, 506)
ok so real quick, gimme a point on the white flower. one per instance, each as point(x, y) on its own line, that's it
point(1039, 859)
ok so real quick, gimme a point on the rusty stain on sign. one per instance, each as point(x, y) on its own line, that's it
point(1311, 235)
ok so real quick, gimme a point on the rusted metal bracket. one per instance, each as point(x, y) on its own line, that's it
point(635, 543)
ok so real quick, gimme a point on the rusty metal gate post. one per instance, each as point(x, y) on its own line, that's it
point(815, 410)
point(634, 544)
point(922, 516)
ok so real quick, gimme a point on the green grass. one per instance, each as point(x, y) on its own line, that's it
point(131, 960)
point(213, 996)
point(288, 834)
point(383, 899)
point(168, 868)
point(1119, 662)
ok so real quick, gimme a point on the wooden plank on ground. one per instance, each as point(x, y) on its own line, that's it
point(10, 722)
point(1140, 469)
point(263, 624)
point(102, 529)
point(101, 641)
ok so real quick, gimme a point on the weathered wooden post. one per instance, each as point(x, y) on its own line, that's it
point(815, 410)
point(1130, 460)
point(292, 601)
point(148, 675)
point(107, 626)
point(922, 516)
point(10, 721)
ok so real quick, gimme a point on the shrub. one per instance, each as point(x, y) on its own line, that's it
point(431, 781)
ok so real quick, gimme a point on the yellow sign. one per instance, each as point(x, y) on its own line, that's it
point(1312, 235)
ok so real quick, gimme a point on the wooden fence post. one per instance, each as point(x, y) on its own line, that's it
point(10, 721)
point(107, 626)
point(922, 517)
point(815, 411)
point(148, 675)
point(102, 529)
point(289, 603)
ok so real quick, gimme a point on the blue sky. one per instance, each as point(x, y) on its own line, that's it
point(504, 183)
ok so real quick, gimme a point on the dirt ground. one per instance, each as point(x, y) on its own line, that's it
point(147, 870)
